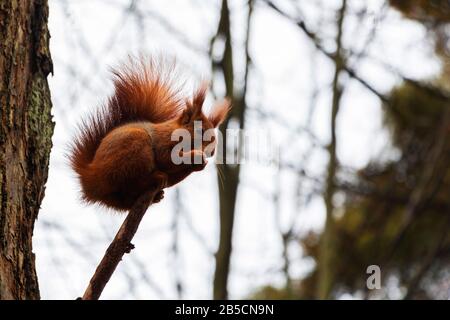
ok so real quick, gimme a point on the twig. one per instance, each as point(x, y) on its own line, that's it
point(120, 245)
point(350, 71)
point(435, 91)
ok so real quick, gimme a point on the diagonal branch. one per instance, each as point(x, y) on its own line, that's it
point(120, 245)
point(437, 92)
point(331, 55)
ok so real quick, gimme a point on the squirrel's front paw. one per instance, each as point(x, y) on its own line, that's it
point(199, 161)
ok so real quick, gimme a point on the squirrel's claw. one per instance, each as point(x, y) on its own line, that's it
point(158, 196)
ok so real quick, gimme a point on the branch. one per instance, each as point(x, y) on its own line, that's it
point(326, 247)
point(350, 71)
point(435, 91)
point(120, 245)
point(177, 34)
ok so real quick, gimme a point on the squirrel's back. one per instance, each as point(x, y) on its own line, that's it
point(145, 89)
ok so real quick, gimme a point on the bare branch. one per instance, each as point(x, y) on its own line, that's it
point(351, 71)
point(331, 55)
point(120, 245)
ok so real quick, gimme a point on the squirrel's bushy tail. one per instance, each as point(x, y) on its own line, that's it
point(145, 89)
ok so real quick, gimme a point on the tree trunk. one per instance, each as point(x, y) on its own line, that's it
point(26, 129)
point(228, 184)
point(326, 250)
point(227, 190)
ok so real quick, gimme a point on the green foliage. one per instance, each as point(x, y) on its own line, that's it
point(413, 114)
point(271, 293)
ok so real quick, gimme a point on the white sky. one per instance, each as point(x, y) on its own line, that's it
point(70, 238)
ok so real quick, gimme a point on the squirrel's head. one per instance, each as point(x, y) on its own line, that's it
point(200, 126)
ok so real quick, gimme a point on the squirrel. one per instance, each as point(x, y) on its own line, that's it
point(123, 150)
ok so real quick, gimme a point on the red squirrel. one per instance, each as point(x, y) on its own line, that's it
point(123, 150)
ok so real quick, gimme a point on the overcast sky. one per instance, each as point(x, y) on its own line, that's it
point(87, 37)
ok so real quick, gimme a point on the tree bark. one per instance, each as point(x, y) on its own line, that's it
point(26, 129)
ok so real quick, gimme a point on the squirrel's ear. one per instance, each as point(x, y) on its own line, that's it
point(199, 98)
point(219, 112)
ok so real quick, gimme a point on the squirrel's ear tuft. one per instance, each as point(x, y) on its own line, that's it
point(219, 112)
point(199, 98)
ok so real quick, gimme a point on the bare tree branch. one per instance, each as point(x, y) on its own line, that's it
point(351, 71)
point(331, 55)
point(120, 245)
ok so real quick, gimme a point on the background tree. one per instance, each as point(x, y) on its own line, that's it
point(228, 174)
point(327, 250)
point(26, 129)
point(396, 212)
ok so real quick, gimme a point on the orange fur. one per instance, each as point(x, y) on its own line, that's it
point(123, 150)
point(219, 113)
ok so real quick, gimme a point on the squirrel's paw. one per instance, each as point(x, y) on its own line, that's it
point(158, 196)
point(160, 179)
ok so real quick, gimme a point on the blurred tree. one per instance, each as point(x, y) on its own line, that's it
point(327, 250)
point(397, 213)
point(228, 174)
point(26, 129)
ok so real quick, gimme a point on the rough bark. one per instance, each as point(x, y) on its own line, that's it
point(26, 129)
